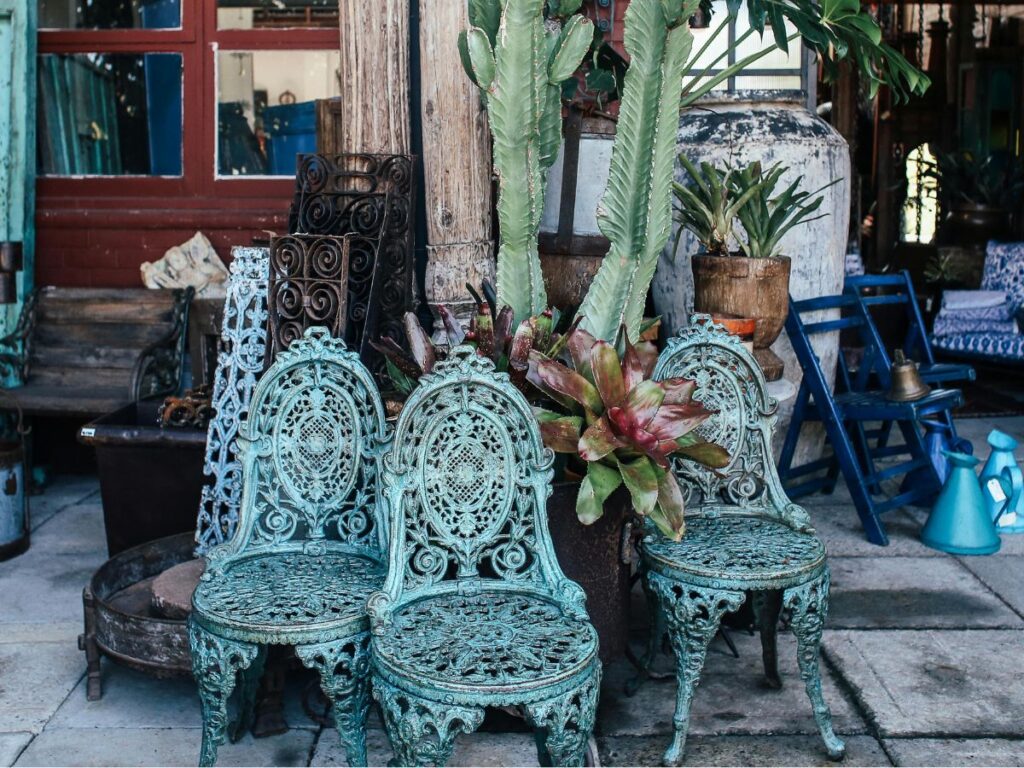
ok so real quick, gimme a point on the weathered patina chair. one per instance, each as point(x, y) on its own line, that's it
point(743, 537)
point(309, 545)
point(476, 611)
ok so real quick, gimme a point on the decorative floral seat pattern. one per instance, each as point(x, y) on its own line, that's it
point(475, 611)
point(308, 546)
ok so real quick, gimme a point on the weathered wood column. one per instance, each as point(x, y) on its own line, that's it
point(456, 163)
point(375, 76)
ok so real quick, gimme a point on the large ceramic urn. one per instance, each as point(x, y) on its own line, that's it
point(774, 127)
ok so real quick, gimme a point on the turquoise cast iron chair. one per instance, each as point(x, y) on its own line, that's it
point(744, 537)
point(308, 549)
point(476, 611)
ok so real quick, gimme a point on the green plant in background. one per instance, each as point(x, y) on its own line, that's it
point(995, 180)
point(767, 219)
point(519, 64)
point(624, 426)
point(707, 206)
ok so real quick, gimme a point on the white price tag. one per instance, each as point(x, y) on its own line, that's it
point(1010, 518)
point(88, 432)
point(995, 489)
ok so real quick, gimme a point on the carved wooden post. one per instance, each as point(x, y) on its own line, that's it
point(375, 76)
point(456, 163)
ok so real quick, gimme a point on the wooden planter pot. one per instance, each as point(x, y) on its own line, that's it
point(592, 556)
point(745, 287)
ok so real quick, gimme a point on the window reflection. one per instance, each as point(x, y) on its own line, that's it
point(276, 14)
point(109, 14)
point(266, 108)
point(109, 114)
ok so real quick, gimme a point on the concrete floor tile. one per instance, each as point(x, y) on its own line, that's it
point(960, 752)
point(1003, 575)
point(158, 747)
point(732, 697)
point(11, 745)
point(474, 749)
point(740, 750)
point(912, 593)
point(41, 632)
point(913, 683)
point(841, 530)
point(132, 699)
point(63, 492)
point(34, 679)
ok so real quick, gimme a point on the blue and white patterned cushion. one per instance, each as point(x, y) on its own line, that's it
point(955, 324)
point(1004, 270)
point(990, 345)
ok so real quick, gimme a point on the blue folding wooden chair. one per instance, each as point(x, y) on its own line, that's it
point(857, 403)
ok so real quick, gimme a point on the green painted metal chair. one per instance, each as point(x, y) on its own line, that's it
point(476, 611)
point(309, 547)
point(744, 538)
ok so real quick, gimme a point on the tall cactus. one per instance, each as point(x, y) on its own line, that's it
point(636, 210)
point(520, 64)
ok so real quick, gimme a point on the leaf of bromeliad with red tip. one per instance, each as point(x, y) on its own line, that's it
point(599, 440)
point(608, 374)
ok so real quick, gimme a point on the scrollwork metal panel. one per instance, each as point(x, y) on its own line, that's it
point(243, 343)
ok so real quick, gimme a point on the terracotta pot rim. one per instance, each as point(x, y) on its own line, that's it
point(739, 255)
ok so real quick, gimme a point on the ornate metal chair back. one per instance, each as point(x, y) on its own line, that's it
point(467, 482)
point(311, 450)
point(729, 382)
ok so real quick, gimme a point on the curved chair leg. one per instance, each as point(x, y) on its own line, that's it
point(809, 603)
point(564, 724)
point(344, 669)
point(216, 663)
point(693, 615)
point(767, 607)
point(250, 686)
point(657, 634)
point(422, 731)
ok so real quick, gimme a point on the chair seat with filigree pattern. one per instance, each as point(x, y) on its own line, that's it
point(744, 550)
point(486, 643)
point(289, 599)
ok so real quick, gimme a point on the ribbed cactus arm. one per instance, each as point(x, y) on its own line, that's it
point(636, 213)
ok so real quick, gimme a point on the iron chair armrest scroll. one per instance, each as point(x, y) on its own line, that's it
point(158, 368)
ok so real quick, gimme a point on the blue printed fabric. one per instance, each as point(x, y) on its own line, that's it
point(952, 324)
point(1004, 271)
point(989, 345)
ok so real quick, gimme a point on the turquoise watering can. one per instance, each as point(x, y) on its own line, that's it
point(1000, 461)
point(960, 522)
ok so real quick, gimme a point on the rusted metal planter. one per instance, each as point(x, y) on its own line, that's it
point(119, 619)
point(14, 515)
point(150, 477)
point(597, 558)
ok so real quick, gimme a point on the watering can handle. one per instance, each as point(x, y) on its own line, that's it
point(1012, 482)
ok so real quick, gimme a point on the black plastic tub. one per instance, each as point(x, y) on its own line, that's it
point(150, 477)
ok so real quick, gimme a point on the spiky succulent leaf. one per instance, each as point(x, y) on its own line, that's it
point(486, 14)
point(481, 57)
point(573, 43)
point(635, 213)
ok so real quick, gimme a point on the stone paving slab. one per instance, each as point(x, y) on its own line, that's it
point(962, 752)
point(159, 747)
point(63, 492)
point(732, 697)
point(740, 750)
point(841, 530)
point(914, 683)
point(41, 632)
point(912, 593)
point(11, 745)
point(134, 700)
point(34, 679)
point(1003, 575)
point(474, 749)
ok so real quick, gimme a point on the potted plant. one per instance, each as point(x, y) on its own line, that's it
point(743, 271)
point(979, 193)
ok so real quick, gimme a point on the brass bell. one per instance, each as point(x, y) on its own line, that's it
point(906, 384)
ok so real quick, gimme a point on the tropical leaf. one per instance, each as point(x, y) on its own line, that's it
point(600, 483)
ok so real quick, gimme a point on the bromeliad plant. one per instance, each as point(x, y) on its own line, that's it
point(623, 425)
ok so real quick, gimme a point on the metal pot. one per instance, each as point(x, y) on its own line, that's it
point(14, 518)
point(973, 224)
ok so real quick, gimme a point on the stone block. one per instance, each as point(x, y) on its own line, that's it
point(912, 593)
point(63, 492)
point(739, 750)
point(34, 679)
point(960, 752)
point(1003, 575)
point(912, 683)
point(11, 745)
point(841, 530)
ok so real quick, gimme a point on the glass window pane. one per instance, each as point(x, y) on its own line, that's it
point(266, 110)
point(275, 14)
point(109, 114)
point(109, 14)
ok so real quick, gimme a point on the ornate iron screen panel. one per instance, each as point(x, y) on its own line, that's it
point(308, 287)
point(239, 365)
point(371, 196)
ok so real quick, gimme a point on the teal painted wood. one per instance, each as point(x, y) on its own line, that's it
point(476, 611)
point(309, 546)
point(18, 141)
point(744, 537)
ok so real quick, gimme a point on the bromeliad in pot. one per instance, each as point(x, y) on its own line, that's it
point(754, 280)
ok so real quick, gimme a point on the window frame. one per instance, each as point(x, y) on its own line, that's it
point(197, 41)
